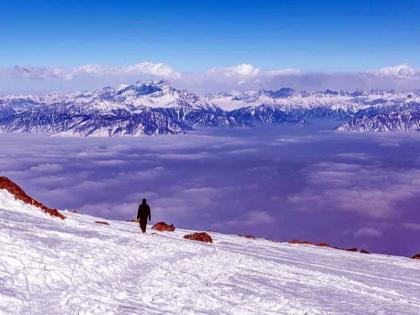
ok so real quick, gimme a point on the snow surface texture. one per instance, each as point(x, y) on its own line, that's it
point(155, 107)
point(75, 266)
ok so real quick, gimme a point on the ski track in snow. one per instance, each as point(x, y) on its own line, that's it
point(75, 266)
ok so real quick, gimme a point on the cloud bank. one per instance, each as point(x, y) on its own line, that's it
point(31, 79)
point(282, 183)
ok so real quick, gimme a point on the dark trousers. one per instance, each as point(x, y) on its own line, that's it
point(143, 222)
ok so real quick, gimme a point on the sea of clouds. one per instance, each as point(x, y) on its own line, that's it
point(278, 182)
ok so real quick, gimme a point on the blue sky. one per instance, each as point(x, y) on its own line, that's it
point(209, 46)
point(197, 35)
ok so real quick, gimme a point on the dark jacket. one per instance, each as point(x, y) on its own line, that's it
point(144, 212)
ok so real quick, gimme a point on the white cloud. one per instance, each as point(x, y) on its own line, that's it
point(282, 72)
point(28, 79)
point(247, 70)
point(47, 168)
point(367, 231)
point(249, 219)
point(158, 70)
point(258, 218)
point(364, 189)
point(403, 71)
point(142, 68)
point(41, 73)
point(242, 70)
point(412, 226)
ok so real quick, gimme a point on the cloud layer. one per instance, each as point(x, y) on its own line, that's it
point(30, 79)
point(280, 183)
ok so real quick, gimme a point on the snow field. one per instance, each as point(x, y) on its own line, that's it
point(74, 266)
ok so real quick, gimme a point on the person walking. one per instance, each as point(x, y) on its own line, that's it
point(143, 214)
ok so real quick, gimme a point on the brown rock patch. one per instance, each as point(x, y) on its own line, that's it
point(102, 222)
point(19, 194)
point(416, 256)
point(201, 237)
point(162, 226)
point(252, 237)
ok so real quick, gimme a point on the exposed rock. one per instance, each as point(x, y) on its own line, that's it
point(201, 236)
point(301, 242)
point(102, 222)
point(248, 236)
point(353, 249)
point(416, 256)
point(162, 226)
point(19, 194)
point(322, 245)
point(309, 243)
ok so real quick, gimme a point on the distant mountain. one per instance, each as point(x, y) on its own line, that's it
point(143, 108)
point(155, 107)
point(287, 105)
point(382, 122)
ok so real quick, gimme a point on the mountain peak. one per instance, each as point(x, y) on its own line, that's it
point(160, 83)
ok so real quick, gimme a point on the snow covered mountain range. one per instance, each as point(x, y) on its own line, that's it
point(155, 107)
point(79, 264)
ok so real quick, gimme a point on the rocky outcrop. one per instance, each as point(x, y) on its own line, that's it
point(15, 190)
point(102, 222)
point(352, 249)
point(416, 256)
point(301, 242)
point(201, 236)
point(355, 249)
point(252, 237)
point(322, 245)
point(162, 226)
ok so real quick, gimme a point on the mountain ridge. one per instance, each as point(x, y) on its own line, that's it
point(156, 107)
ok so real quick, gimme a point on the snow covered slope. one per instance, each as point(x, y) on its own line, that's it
point(76, 266)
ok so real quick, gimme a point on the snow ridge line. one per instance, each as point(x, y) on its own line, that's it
point(19, 194)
